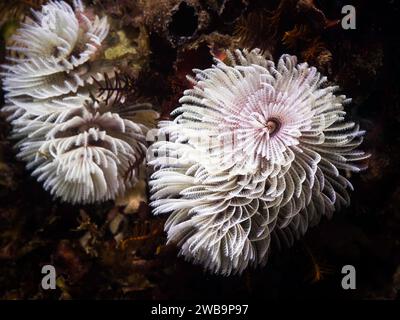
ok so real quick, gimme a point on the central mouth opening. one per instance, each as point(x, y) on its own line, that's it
point(273, 125)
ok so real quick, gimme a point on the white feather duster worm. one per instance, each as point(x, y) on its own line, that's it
point(254, 152)
point(82, 149)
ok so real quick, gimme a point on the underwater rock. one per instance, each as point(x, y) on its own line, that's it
point(176, 21)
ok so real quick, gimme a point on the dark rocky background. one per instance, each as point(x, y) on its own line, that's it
point(116, 252)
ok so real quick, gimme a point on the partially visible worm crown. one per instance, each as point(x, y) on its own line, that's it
point(56, 60)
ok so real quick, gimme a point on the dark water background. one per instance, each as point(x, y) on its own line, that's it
point(36, 230)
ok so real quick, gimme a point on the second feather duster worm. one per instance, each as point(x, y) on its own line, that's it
point(83, 149)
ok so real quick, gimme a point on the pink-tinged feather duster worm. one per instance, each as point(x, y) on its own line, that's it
point(256, 152)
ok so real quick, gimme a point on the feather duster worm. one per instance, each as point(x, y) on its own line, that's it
point(83, 149)
point(253, 154)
